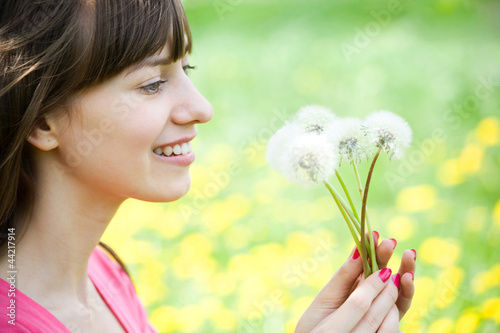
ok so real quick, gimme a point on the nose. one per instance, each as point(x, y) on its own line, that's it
point(192, 106)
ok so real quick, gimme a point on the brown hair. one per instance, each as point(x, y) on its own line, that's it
point(51, 49)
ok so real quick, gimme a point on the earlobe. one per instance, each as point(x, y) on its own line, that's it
point(43, 136)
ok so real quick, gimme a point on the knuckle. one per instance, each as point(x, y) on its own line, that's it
point(360, 303)
point(372, 323)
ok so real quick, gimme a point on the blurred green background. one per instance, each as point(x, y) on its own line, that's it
point(245, 251)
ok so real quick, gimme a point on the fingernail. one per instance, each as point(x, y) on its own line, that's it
point(385, 274)
point(376, 233)
point(355, 255)
point(396, 278)
point(415, 252)
point(395, 242)
point(412, 276)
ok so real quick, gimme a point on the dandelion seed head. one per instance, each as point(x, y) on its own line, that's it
point(279, 143)
point(310, 159)
point(314, 118)
point(388, 131)
point(351, 141)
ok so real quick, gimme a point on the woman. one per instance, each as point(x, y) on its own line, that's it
point(95, 108)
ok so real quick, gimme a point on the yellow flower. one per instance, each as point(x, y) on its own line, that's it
point(165, 319)
point(440, 251)
point(491, 309)
point(470, 159)
point(449, 282)
point(484, 281)
point(222, 214)
point(450, 173)
point(417, 198)
point(444, 325)
point(400, 227)
point(488, 131)
point(468, 322)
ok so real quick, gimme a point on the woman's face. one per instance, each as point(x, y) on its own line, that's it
point(114, 134)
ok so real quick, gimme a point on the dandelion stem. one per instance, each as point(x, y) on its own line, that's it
point(347, 194)
point(373, 255)
point(347, 210)
point(363, 206)
point(360, 187)
point(349, 224)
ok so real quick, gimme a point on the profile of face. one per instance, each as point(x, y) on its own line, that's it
point(129, 136)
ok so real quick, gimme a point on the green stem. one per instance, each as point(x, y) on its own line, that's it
point(360, 187)
point(347, 194)
point(373, 255)
point(347, 210)
point(349, 225)
point(363, 205)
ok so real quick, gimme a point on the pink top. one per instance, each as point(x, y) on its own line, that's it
point(111, 282)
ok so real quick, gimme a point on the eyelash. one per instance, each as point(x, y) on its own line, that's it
point(157, 85)
point(187, 68)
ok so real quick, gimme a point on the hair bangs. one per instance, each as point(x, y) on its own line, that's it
point(128, 31)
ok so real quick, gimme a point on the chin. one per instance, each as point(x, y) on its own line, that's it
point(174, 191)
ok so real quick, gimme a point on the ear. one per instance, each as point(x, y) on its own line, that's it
point(43, 136)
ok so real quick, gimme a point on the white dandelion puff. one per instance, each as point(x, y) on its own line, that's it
point(350, 140)
point(314, 118)
point(309, 160)
point(279, 143)
point(389, 132)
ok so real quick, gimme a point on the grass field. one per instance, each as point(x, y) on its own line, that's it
point(245, 251)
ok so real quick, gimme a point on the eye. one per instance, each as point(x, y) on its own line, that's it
point(187, 68)
point(152, 88)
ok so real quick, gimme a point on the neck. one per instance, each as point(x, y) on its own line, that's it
point(66, 225)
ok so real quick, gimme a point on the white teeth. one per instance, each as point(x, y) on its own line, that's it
point(177, 150)
point(167, 151)
point(184, 148)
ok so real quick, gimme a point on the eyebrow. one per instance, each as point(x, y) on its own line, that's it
point(149, 62)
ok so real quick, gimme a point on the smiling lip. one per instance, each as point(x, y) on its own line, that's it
point(182, 160)
point(177, 142)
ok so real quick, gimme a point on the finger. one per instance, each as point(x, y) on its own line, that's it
point(407, 288)
point(336, 291)
point(384, 251)
point(391, 322)
point(380, 308)
point(333, 294)
point(408, 262)
point(358, 303)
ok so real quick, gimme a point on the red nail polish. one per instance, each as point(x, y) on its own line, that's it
point(355, 255)
point(396, 278)
point(395, 242)
point(385, 274)
point(376, 232)
point(415, 251)
point(412, 276)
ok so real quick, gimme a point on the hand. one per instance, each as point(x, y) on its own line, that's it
point(347, 280)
